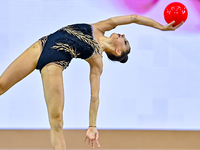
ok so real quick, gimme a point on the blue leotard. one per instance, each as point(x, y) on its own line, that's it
point(73, 41)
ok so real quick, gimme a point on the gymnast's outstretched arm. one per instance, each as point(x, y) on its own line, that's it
point(113, 22)
point(96, 67)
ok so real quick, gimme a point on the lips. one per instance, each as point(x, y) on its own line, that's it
point(119, 35)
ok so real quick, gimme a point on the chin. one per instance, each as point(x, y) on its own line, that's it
point(114, 35)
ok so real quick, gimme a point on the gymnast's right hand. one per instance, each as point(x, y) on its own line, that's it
point(92, 135)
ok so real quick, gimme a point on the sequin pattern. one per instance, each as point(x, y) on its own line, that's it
point(85, 38)
point(75, 40)
point(66, 48)
point(63, 63)
point(44, 40)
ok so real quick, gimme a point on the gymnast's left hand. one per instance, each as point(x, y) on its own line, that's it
point(92, 136)
point(171, 27)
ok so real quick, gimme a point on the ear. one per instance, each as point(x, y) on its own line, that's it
point(118, 52)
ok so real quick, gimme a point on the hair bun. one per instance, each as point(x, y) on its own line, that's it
point(124, 60)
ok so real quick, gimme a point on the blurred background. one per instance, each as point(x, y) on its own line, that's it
point(157, 89)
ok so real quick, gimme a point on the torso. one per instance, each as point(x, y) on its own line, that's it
point(72, 41)
point(96, 59)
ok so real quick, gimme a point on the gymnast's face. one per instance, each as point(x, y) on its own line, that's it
point(120, 42)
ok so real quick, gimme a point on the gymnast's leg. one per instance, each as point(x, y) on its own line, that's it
point(54, 96)
point(21, 67)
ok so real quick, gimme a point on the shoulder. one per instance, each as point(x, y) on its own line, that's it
point(96, 64)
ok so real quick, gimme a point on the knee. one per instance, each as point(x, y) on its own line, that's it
point(56, 121)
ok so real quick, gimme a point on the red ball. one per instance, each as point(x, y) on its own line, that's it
point(175, 12)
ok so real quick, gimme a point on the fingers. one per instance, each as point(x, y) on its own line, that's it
point(88, 141)
point(96, 139)
point(92, 142)
point(171, 24)
point(92, 138)
point(179, 25)
point(85, 139)
point(97, 143)
point(96, 136)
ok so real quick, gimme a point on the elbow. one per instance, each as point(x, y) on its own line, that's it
point(134, 18)
point(94, 98)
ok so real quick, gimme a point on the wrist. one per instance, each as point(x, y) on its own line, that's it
point(92, 126)
point(162, 28)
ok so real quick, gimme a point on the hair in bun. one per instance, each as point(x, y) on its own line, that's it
point(122, 59)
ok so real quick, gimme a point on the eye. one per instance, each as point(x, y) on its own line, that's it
point(125, 42)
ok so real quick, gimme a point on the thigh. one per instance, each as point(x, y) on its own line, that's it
point(21, 67)
point(53, 89)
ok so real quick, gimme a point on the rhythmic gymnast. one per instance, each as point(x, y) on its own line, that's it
point(53, 53)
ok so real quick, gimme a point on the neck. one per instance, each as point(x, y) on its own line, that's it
point(106, 44)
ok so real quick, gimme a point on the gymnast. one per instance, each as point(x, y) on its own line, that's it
point(52, 54)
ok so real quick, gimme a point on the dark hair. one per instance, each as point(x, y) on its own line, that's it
point(122, 59)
